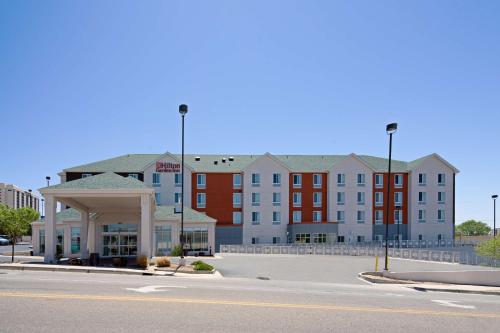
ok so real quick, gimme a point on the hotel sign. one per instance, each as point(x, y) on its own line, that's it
point(168, 167)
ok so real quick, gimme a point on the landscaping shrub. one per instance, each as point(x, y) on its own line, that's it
point(142, 261)
point(176, 251)
point(163, 262)
point(201, 266)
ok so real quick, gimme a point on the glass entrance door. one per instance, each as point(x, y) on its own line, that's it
point(119, 240)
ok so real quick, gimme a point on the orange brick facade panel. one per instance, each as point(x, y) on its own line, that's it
point(403, 189)
point(307, 189)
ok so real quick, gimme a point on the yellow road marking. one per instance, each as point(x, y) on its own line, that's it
point(251, 304)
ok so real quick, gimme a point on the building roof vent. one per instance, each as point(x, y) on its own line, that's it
point(215, 162)
point(197, 158)
point(231, 158)
point(223, 160)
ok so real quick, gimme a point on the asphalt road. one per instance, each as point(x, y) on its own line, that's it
point(79, 302)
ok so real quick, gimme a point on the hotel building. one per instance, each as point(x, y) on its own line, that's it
point(15, 197)
point(129, 204)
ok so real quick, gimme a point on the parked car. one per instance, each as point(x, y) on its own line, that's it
point(4, 241)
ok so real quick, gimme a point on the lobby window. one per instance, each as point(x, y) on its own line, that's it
point(303, 238)
point(177, 179)
point(398, 216)
point(421, 215)
point(201, 179)
point(255, 179)
point(441, 179)
point(317, 180)
point(379, 199)
point(236, 200)
point(85, 175)
point(379, 180)
point(133, 175)
point(276, 179)
point(156, 179)
point(276, 217)
point(317, 199)
point(297, 181)
point(361, 239)
point(163, 239)
point(420, 237)
point(422, 197)
point(255, 199)
point(237, 180)
point(422, 179)
point(319, 238)
point(177, 198)
point(276, 240)
point(75, 240)
point(255, 218)
point(398, 198)
point(340, 198)
point(441, 215)
point(340, 179)
point(41, 240)
point(236, 217)
point(361, 179)
point(340, 216)
point(441, 197)
point(297, 216)
point(379, 217)
point(379, 238)
point(360, 216)
point(398, 180)
point(276, 198)
point(297, 199)
point(317, 216)
point(361, 198)
point(201, 200)
point(341, 239)
point(255, 240)
point(157, 198)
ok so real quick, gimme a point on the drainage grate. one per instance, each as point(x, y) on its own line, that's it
point(263, 278)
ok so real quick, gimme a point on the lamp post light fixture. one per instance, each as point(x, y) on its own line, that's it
point(47, 178)
point(390, 129)
point(183, 109)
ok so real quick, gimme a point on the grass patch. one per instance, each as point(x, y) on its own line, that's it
point(201, 266)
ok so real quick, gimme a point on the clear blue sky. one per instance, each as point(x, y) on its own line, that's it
point(82, 81)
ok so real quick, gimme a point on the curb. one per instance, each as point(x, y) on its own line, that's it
point(376, 277)
point(71, 270)
point(458, 291)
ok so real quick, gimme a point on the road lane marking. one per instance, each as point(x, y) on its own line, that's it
point(407, 311)
point(152, 289)
point(453, 304)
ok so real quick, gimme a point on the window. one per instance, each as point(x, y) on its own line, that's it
point(361, 179)
point(440, 237)
point(360, 239)
point(340, 198)
point(361, 198)
point(236, 180)
point(422, 197)
point(317, 199)
point(255, 179)
point(157, 198)
point(317, 216)
point(361, 216)
point(297, 181)
point(75, 240)
point(276, 179)
point(398, 180)
point(297, 216)
point(340, 179)
point(255, 199)
point(379, 238)
point(276, 240)
point(85, 175)
point(177, 198)
point(303, 238)
point(379, 199)
point(379, 180)
point(255, 218)
point(236, 200)
point(297, 199)
point(255, 240)
point(317, 180)
point(340, 216)
point(379, 217)
point(276, 217)
point(441, 196)
point(398, 216)
point(236, 217)
point(421, 215)
point(422, 179)
point(398, 198)
point(201, 199)
point(133, 175)
point(340, 239)
point(441, 215)
point(163, 240)
point(156, 179)
point(441, 179)
point(420, 237)
point(177, 179)
point(276, 198)
point(41, 240)
point(319, 238)
point(201, 180)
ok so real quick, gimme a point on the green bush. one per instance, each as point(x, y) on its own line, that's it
point(489, 248)
point(201, 266)
point(176, 251)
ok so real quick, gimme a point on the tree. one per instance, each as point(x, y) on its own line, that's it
point(473, 228)
point(16, 222)
point(489, 248)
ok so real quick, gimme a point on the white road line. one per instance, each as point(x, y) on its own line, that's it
point(452, 304)
point(152, 289)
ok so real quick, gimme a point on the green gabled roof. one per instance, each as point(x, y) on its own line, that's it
point(309, 163)
point(125, 163)
point(190, 215)
point(381, 164)
point(68, 214)
point(108, 180)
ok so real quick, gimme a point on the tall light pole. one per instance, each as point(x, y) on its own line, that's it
point(494, 197)
point(390, 129)
point(47, 178)
point(183, 109)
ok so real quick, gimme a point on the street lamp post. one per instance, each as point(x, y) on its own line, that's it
point(390, 129)
point(183, 109)
point(47, 178)
point(494, 197)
